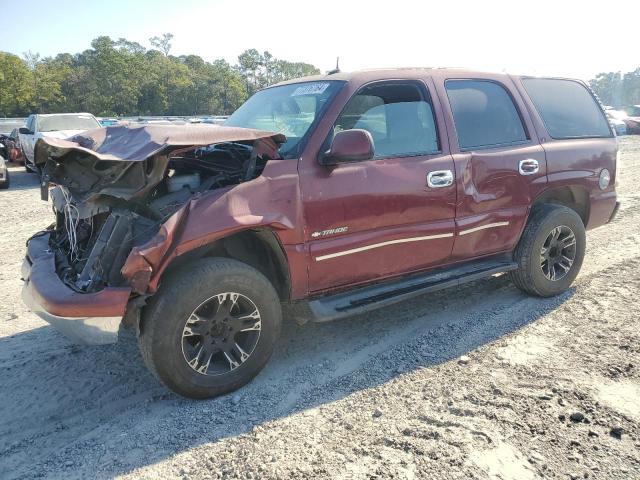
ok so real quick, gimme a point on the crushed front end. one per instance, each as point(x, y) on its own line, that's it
point(119, 189)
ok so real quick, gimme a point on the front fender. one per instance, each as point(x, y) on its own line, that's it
point(269, 201)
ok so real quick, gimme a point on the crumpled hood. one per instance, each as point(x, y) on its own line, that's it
point(133, 144)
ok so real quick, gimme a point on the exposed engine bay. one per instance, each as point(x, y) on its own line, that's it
point(104, 207)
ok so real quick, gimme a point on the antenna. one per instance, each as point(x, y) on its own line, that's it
point(337, 69)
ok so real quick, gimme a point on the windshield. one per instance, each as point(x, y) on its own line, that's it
point(289, 109)
point(67, 122)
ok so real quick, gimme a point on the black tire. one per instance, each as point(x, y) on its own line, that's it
point(183, 293)
point(7, 182)
point(530, 277)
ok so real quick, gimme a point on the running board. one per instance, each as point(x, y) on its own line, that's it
point(364, 299)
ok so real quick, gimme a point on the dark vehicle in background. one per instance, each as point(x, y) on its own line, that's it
point(633, 119)
point(334, 194)
point(11, 145)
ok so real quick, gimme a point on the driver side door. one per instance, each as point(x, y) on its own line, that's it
point(379, 218)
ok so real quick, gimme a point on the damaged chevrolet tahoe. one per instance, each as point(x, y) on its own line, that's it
point(335, 194)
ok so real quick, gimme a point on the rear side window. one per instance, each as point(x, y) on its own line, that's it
point(484, 114)
point(399, 117)
point(567, 108)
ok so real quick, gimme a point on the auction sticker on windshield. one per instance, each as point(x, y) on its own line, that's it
point(310, 89)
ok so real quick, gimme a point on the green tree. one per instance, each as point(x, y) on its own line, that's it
point(15, 86)
point(249, 63)
point(631, 87)
point(616, 89)
point(608, 87)
point(229, 91)
point(121, 77)
point(162, 43)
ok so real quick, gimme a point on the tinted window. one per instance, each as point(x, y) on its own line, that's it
point(567, 108)
point(484, 114)
point(398, 116)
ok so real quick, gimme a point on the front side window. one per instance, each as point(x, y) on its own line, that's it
point(398, 115)
point(288, 109)
point(567, 108)
point(484, 114)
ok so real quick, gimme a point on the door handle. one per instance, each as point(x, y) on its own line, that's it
point(528, 166)
point(440, 178)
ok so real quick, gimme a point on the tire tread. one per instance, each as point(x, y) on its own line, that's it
point(170, 292)
point(523, 254)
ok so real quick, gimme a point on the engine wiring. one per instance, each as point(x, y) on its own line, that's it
point(71, 224)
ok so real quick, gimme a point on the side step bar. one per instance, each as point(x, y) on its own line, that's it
point(353, 302)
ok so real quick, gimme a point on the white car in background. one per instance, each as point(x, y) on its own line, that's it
point(58, 125)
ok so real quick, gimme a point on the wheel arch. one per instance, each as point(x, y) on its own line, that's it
point(575, 197)
point(259, 248)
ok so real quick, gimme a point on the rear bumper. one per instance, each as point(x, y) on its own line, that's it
point(602, 208)
point(88, 318)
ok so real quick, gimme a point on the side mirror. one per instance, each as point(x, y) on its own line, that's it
point(349, 146)
point(25, 131)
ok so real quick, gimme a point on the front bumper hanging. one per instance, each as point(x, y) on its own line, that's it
point(88, 318)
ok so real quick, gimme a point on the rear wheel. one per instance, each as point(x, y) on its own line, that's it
point(210, 328)
point(550, 252)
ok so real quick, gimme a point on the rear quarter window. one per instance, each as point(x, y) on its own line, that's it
point(567, 108)
point(484, 114)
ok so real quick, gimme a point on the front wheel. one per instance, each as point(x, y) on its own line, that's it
point(550, 252)
point(211, 327)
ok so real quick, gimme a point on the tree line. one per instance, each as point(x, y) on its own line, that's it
point(123, 78)
point(618, 89)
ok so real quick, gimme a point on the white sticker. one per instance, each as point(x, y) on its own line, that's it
point(310, 89)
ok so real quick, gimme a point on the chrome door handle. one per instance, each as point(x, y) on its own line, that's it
point(440, 178)
point(528, 166)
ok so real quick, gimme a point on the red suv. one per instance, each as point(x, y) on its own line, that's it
point(338, 194)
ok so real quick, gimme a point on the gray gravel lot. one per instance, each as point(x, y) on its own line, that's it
point(474, 383)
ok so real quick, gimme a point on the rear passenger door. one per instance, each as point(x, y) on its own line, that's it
point(500, 165)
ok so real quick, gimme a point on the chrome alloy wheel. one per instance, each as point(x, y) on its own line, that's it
point(221, 333)
point(558, 253)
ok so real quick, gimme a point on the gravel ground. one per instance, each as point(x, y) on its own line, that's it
point(474, 383)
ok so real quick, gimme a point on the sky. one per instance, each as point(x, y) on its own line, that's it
point(538, 37)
